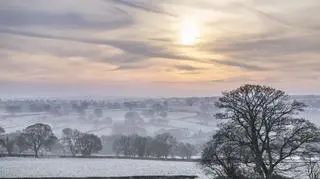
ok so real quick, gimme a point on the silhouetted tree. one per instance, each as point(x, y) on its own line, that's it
point(310, 157)
point(270, 127)
point(223, 155)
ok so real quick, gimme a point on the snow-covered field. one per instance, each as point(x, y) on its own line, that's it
point(63, 167)
point(178, 120)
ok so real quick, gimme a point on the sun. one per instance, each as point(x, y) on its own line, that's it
point(189, 32)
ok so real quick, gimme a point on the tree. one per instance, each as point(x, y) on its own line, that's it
point(163, 145)
point(267, 119)
point(148, 113)
point(313, 168)
point(130, 105)
point(148, 149)
point(70, 139)
point(108, 120)
point(21, 143)
point(185, 150)
point(163, 114)
point(13, 109)
point(120, 144)
point(189, 101)
point(133, 118)
point(8, 141)
point(107, 143)
point(2, 131)
point(89, 143)
point(98, 112)
point(223, 155)
point(310, 157)
point(38, 136)
point(139, 145)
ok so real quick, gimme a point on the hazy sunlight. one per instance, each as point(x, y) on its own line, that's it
point(189, 32)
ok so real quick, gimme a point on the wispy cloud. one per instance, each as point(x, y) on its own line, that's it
point(147, 6)
point(188, 68)
point(108, 40)
point(28, 18)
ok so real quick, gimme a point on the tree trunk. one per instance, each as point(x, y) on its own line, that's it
point(36, 151)
point(9, 151)
point(36, 154)
point(269, 174)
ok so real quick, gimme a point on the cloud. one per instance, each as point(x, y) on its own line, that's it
point(239, 64)
point(275, 18)
point(28, 18)
point(136, 66)
point(136, 48)
point(141, 49)
point(246, 79)
point(187, 68)
point(146, 6)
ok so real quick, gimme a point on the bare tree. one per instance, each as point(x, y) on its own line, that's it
point(268, 119)
point(313, 168)
point(224, 156)
point(38, 136)
point(311, 160)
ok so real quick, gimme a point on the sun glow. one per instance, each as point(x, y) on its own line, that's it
point(189, 32)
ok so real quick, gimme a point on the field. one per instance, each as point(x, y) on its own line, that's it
point(63, 167)
point(177, 120)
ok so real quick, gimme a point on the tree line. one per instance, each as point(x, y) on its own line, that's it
point(40, 137)
point(160, 146)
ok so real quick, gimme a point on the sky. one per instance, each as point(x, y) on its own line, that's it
point(158, 47)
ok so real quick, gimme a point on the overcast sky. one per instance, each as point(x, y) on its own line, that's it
point(158, 47)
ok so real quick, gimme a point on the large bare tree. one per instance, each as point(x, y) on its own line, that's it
point(269, 124)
